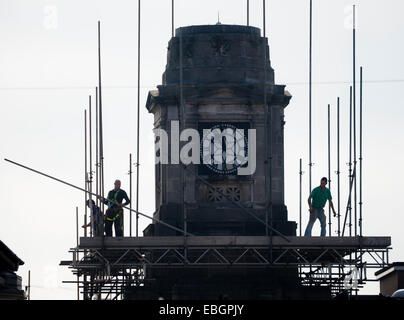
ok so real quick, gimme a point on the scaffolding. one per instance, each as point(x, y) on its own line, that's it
point(107, 269)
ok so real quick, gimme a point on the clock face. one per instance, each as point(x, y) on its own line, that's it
point(218, 161)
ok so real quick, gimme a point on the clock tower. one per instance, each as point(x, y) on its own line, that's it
point(219, 83)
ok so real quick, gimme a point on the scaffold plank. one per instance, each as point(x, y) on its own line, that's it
point(236, 241)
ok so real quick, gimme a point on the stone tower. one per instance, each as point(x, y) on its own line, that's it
point(218, 77)
point(214, 78)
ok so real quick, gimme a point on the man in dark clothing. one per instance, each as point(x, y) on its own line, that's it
point(114, 214)
point(97, 222)
point(320, 195)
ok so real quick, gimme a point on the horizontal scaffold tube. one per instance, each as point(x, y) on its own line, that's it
point(83, 190)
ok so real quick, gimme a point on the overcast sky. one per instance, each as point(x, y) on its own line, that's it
point(48, 67)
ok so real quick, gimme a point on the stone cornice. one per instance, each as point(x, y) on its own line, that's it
point(225, 94)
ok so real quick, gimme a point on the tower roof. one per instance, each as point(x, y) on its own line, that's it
point(218, 54)
point(216, 28)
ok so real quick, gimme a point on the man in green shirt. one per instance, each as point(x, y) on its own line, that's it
point(114, 213)
point(320, 195)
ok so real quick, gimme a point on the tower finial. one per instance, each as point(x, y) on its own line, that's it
point(218, 18)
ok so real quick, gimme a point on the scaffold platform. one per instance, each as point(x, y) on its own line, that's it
point(110, 265)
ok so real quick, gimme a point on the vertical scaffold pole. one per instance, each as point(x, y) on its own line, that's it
point(269, 215)
point(182, 170)
point(310, 88)
point(77, 254)
point(100, 118)
point(300, 197)
point(329, 169)
point(138, 120)
point(97, 164)
point(360, 153)
point(350, 160)
point(263, 18)
point(338, 169)
point(90, 181)
point(354, 119)
point(172, 18)
point(248, 12)
point(29, 284)
point(130, 194)
point(85, 173)
point(268, 124)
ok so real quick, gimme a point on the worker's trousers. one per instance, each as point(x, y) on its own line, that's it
point(98, 226)
point(317, 213)
point(118, 225)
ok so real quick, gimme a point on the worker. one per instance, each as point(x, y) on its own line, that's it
point(114, 213)
point(320, 195)
point(97, 221)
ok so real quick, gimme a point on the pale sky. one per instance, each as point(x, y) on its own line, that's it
point(48, 67)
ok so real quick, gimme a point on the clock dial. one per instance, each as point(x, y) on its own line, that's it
point(219, 161)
